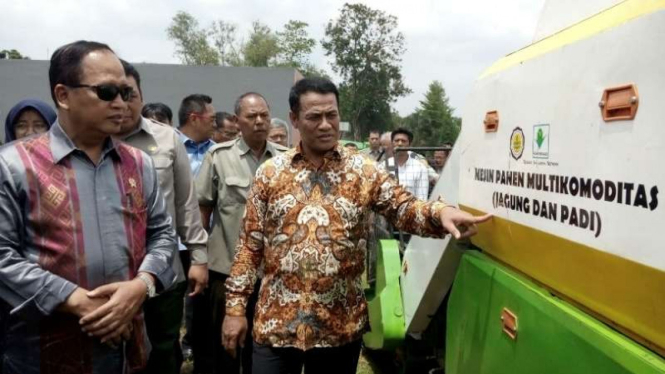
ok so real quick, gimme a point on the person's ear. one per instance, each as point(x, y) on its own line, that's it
point(62, 96)
point(293, 117)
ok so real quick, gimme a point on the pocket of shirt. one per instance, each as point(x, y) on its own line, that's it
point(162, 162)
point(164, 168)
point(236, 190)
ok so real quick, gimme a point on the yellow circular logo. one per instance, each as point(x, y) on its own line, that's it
point(517, 143)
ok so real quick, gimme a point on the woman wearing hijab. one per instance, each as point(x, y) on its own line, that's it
point(28, 117)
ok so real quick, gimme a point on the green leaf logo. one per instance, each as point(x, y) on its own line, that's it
point(540, 138)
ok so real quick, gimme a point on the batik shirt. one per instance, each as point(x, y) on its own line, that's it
point(308, 226)
point(66, 223)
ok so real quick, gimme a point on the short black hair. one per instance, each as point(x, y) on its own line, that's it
point(303, 86)
point(402, 130)
point(220, 117)
point(159, 110)
point(375, 131)
point(65, 66)
point(131, 71)
point(237, 107)
point(195, 103)
point(351, 145)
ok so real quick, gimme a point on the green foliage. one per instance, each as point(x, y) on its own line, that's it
point(191, 42)
point(367, 50)
point(219, 45)
point(295, 45)
point(310, 71)
point(12, 54)
point(262, 47)
point(433, 124)
point(224, 38)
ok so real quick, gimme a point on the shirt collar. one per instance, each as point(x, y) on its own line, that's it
point(188, 142)
point(62, 145)
point(336, 153)
point(409, 160)
point(144, 126)
point(243, 148)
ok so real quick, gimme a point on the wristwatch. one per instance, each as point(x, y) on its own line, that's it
point(149, 284)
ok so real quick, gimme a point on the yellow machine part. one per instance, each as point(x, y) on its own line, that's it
point(623, 293)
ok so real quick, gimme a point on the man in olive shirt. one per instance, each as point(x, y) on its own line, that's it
point(222, 185)
point(374, 150)
point(162, 143)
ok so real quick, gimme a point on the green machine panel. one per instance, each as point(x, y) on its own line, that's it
point(386, 314)
point(500, 322)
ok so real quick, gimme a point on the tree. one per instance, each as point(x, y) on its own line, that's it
point(367, 51)
point(191, 42)
point(12, 54)
point(224, 37)
point(262, 48)
point(433, 123)
point(295, 45)
point(219, 45)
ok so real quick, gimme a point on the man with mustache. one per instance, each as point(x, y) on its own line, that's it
point(304, 226)
point(222, 185)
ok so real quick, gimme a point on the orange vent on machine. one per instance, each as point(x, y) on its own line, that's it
point(619, 103)
point(491, 121)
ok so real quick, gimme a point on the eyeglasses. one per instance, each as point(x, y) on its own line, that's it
point(108, 92)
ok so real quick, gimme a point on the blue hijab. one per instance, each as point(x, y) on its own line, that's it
point(41, 107)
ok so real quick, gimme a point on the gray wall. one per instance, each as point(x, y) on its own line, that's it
point(21, 79)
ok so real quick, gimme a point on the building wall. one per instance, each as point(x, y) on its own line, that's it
point(21, 79)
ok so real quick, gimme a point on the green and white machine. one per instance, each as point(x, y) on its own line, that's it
point(563, 141)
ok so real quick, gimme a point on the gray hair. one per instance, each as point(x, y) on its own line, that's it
point(237, 107)
point(276, 123)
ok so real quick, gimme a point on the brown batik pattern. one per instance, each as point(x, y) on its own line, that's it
point(308, 226)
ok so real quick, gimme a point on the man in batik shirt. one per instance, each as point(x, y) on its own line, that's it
point(305, 222)
point(84, 232)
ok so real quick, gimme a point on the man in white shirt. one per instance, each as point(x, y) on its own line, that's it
point(411, 172)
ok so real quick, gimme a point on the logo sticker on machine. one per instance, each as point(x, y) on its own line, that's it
point(541, 141)
point(517, 143)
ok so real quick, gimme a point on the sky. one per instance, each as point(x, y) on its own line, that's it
point(451, 41)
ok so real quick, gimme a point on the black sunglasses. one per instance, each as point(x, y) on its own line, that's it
point(108, 92)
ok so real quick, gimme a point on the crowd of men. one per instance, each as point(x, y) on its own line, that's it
point(114, 223)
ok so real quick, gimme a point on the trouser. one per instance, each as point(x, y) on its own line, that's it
point(189, 310)
point(336, 360)
point(163, 318)
point(209, 311)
